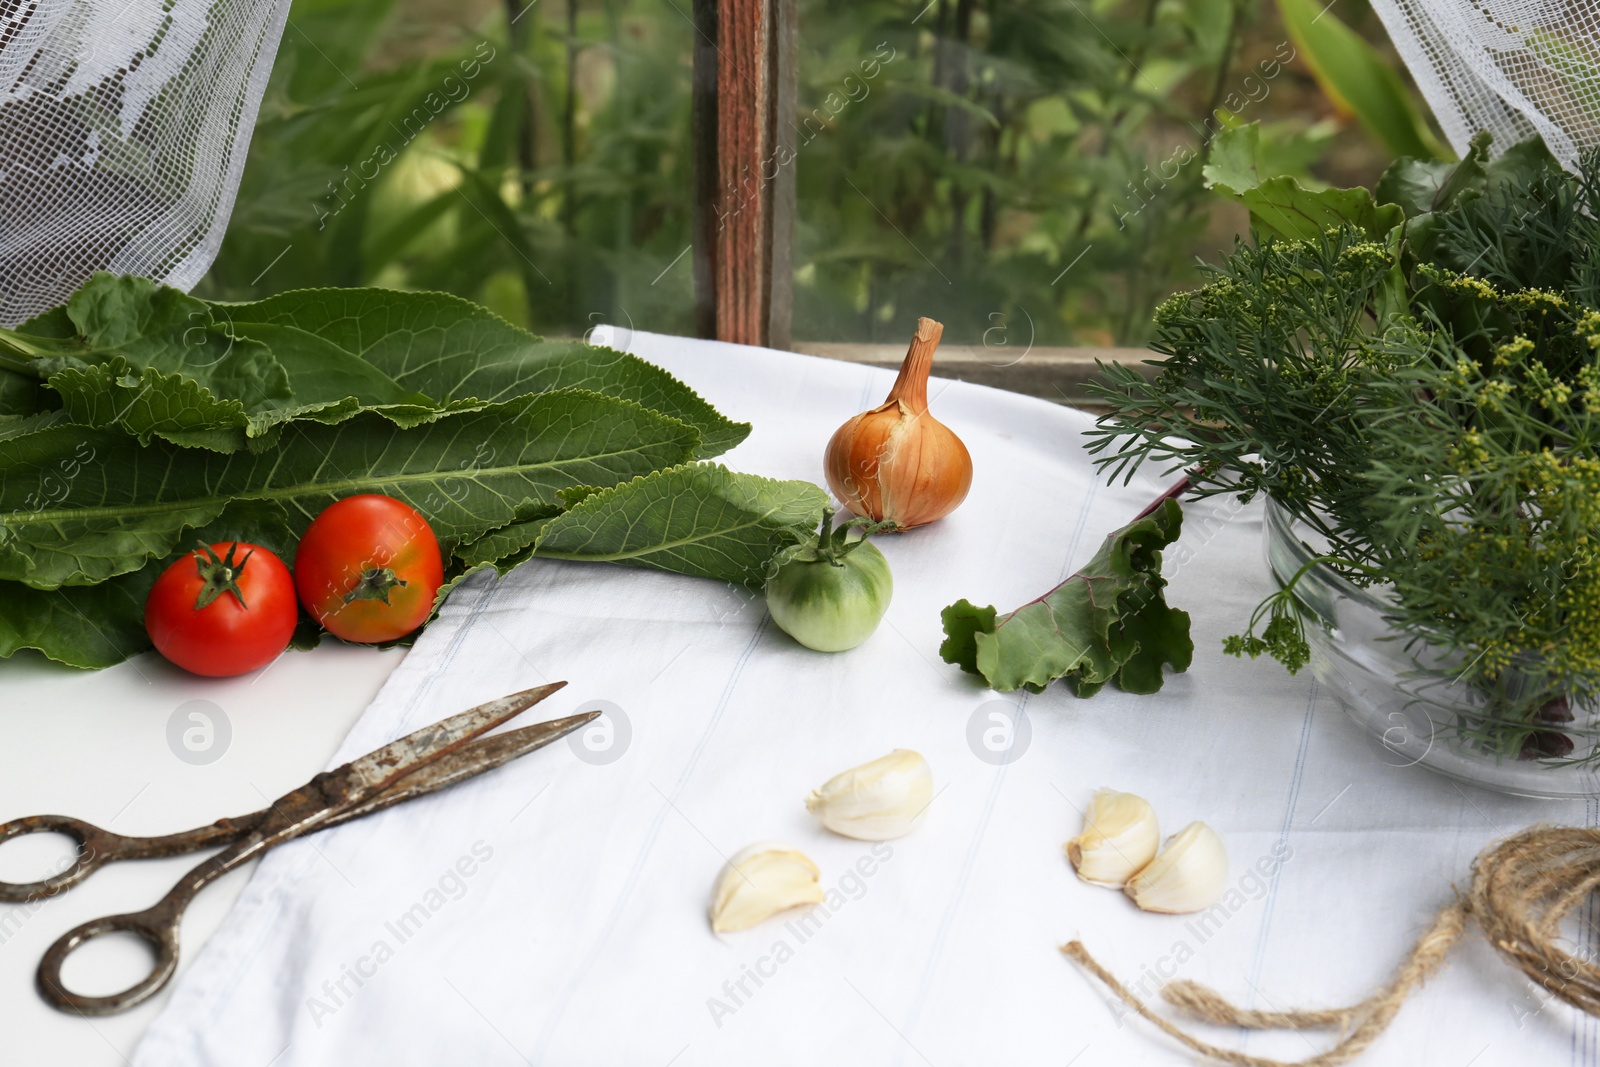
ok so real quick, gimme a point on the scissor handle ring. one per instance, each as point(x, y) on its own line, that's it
point(157, 928)
point(92, 847)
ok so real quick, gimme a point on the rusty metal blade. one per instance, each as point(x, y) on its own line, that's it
point(473, 758)
point(363, 778)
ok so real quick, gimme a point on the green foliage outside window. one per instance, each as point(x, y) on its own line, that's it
point(1028, 169)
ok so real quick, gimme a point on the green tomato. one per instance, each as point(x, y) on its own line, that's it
point(831, 606)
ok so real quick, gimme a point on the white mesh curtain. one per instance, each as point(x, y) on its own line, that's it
point(123, 130)
point(1512, 67)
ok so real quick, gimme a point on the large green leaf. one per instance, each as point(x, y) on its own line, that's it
point(451, 349)
point(1109, 622)
point(1421, 186)
point(21, 394)
point(176, 408)
point(1279, 205)
point(156, 362)
point(698, 519)
point(139, 325)
point(1426, 190)
point(78, 506)
point(148, 404)
point(84, 626)
point(22, 425)
point(161, 364)
point(321, 372)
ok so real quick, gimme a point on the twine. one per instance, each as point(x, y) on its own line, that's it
point(1522, 889)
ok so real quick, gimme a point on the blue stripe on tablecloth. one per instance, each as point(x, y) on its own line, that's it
point(556, 1012)
point(925, 983)
point(1296, 778)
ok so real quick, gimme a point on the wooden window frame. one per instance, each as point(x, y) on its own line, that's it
point(745, 82)
point(744, 94)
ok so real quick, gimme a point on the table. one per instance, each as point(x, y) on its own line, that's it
point(96, 745)
point(951, 958)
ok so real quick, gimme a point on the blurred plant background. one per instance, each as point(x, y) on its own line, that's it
point(1027, 165)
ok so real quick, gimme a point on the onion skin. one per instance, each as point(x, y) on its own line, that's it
point(897, 463)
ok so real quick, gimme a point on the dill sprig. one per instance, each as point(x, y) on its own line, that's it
point(1429, 404)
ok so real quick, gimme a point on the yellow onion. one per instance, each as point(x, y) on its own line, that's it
point(897, 463)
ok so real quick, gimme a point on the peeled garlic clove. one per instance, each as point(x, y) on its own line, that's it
point(875, 801)
point(897, 463)
point(760, 881)
point(1187, 875)
point(1120, 835)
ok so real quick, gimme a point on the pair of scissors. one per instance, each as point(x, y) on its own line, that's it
point(420, 763)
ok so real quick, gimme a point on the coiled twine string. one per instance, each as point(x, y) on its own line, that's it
point(1522, 889)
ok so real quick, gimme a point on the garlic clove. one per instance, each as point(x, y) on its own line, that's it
point(760, 881)
point(1120, 836)
point(1188, 874)
point(876, 801)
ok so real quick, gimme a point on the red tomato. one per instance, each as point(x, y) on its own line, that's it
point(368, 568)
point(222, 610)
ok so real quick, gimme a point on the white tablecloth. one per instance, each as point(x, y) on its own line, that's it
point(553, 912)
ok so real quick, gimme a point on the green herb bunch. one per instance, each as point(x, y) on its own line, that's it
point(136, 420)
point(1418, 383)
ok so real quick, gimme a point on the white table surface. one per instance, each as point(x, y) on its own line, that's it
point(94, 744)
point(1270, 761)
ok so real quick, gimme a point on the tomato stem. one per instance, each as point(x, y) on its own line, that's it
point(220, 574)
point(374, 584)
point(833, 543)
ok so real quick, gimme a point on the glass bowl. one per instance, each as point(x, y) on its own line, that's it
point(1406, 696)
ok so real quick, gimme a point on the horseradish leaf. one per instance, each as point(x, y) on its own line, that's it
point(78, 506)
point(452, 350)
point(700, 519)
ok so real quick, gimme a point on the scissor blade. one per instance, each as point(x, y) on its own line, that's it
point(473, 758)
point(369, 775)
